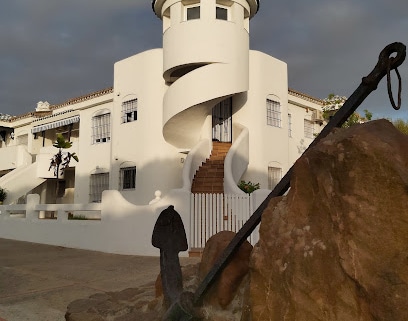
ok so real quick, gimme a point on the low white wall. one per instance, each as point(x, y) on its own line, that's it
point(20, 181)
point(124, 228)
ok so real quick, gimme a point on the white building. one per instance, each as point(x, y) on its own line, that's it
point(157, 125)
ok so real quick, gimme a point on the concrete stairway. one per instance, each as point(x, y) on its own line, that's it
point(210, 176)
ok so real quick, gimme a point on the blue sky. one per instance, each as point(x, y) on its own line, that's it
point(55, 50)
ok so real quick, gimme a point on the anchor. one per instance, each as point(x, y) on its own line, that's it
point(183, 305)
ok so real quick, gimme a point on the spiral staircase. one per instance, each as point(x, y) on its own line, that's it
point(210, 176)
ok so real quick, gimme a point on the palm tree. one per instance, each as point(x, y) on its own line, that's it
point(60, 161)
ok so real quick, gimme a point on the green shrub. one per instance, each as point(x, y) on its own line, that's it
point(3, 194)
point(248, 187)
point(76, 217)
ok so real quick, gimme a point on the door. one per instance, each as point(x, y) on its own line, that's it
point(222, 121)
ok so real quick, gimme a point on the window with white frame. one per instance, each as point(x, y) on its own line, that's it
point(193, 12)
point(308, 128)
point(127, 178)
point(101, 128)
point(274, 176)
point(98, 183)
point(221, 13)
point(273, 113)
point(129, 111)
point(290, 125)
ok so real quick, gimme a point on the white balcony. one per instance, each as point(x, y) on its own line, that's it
point(14, 156)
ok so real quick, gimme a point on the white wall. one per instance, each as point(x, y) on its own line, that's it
point(124, 228)
point(267, 76)
point(92, 157)
point(158, 164)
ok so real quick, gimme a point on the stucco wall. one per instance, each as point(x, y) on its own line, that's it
point(158, 164)
point(124, 228)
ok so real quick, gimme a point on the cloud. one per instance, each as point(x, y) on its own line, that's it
point(55, 50)
point(330, 46)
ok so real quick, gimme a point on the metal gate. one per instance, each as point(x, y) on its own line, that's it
point(212, 213)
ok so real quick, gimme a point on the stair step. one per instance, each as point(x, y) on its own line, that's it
point(210, 176)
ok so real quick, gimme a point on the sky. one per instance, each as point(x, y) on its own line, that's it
point(54, 50)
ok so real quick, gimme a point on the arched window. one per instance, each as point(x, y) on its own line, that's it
point(274, 174)
point(101, 127)
point(129, 109)
point(308, 128)
point(127, 176)
point(273, 111)
point(98, 182)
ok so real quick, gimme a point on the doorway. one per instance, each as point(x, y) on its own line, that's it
point(222, 121)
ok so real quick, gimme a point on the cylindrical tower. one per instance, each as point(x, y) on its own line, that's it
point(205, 59)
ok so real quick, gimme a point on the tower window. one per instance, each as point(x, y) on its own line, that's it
point(222, 13)
point(273, 113)
point(193, 12)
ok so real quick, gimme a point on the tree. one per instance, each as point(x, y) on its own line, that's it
point(333, 103)
point(60, 161)
point(401, 125)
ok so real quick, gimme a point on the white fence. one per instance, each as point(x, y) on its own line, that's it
point(212, 213)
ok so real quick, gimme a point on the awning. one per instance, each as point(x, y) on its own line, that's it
point(55, 124)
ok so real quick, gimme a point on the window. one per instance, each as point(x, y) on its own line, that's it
point(309, 128)
point(290, 125)
point(274, 176)
point(273, 113)
point(127, 178)
point(129, 111)
point(221, 13)
point(101, 128)
point(98, 183)
point(193, 12)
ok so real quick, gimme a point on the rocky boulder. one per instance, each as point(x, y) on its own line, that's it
point(226, 286)
point(336, 247)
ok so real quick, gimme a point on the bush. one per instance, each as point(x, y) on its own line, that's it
point(76, 217)
point(248, 187)
point(3, 194)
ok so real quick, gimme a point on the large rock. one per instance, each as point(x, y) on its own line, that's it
point(224, 289)
point(336, 247)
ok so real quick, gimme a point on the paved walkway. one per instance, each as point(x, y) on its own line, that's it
point(37, 282)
